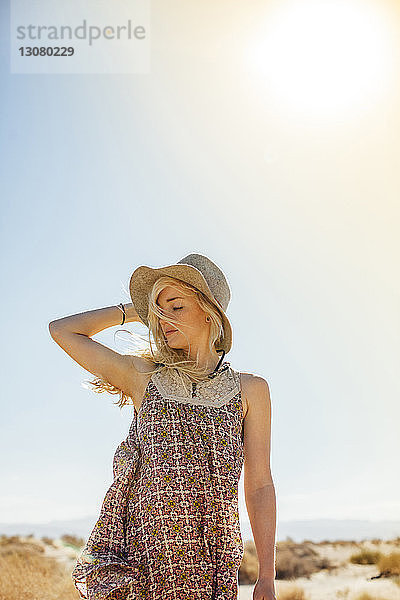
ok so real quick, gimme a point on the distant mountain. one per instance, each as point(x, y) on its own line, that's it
point(53, 529)
point(316, 530)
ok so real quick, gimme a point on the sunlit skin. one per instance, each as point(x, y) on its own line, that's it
point(193, 326)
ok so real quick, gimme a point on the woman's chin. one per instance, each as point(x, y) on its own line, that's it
point(175, 343)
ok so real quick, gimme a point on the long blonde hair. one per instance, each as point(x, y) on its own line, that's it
point(162, 355)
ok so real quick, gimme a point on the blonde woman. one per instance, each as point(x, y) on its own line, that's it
point(169, 523)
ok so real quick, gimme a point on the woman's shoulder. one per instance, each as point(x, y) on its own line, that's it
point(255, 388)
point(141, 370)
point(251, 380)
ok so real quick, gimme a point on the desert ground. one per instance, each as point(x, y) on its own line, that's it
point(39, 569)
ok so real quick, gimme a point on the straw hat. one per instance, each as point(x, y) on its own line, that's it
point(195, 269)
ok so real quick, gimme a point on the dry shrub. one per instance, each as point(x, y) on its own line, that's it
point(389, 564)
point(365, 557)
point(73, 541)
point(343, 543)
point(13, 544)
point(298, 560)
point(292, 560)
point(248, 572)
point(27, 574)
point(47, 540)
point(292, 593)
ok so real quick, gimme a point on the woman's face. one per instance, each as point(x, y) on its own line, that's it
point(192, 326)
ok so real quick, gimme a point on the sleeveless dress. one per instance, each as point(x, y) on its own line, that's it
point(169, 523)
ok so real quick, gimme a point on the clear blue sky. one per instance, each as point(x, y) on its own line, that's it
point(296, 202)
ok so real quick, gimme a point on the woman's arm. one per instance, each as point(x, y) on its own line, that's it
point(258, 484)
point(92, 321)
point(73, 334)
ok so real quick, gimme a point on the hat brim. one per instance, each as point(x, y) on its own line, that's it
point(144, 277)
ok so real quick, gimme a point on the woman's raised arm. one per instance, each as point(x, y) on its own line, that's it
point(73, 334)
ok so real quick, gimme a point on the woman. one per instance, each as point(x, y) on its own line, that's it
point(169, 523)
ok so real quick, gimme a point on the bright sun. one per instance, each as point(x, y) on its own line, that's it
point(323, 57)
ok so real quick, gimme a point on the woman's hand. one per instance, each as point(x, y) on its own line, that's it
point(264, 589)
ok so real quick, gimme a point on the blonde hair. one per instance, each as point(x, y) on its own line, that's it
point(162, 355)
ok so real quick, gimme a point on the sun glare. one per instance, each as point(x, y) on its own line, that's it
point(323, 58)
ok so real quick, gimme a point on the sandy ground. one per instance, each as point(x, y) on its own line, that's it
point(345, 581)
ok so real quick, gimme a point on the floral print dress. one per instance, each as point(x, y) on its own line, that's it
point(169, 523)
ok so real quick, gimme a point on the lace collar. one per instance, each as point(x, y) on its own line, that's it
point(216, 390)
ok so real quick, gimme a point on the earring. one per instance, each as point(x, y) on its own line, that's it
point(207, 318)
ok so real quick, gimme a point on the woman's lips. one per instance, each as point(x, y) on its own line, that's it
point(170, 332)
